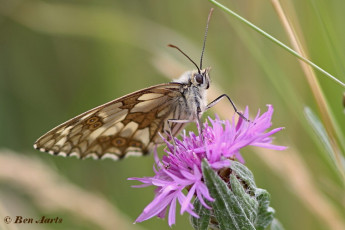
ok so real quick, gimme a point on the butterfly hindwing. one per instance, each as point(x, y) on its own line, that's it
point(125, 126)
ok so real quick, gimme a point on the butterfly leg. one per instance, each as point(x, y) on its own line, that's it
point(200, 127)
point(215, 101)
point(169, 121)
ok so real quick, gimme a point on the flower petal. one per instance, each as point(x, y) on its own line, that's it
point(180, 167)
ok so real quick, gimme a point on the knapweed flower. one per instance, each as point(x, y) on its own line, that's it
point(178, 175)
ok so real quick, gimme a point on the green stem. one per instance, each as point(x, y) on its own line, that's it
point(273, 39)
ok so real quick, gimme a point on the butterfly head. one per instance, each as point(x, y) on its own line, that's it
point(201, 79)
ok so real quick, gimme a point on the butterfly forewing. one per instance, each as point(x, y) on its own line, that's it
point(125, 126)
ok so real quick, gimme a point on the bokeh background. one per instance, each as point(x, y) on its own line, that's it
point(61, 58)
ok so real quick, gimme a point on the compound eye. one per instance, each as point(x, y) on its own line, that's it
point(199, 78)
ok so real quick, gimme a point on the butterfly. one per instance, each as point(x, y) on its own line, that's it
point(130, 125)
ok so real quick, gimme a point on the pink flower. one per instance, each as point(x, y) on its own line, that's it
point(180, 168)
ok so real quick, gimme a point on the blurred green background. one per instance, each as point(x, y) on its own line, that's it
point(61, 58)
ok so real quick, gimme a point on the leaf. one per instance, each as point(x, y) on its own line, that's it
point(238, 204)
point(265, 213)
point(227, 207)
point(248, 204)
point(203, 221)
point(244, 173)
point(244, 177)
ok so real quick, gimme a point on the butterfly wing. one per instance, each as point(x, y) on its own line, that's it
point(125, 126)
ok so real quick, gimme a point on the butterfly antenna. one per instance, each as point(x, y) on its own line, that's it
point(173, 46)
point(206, 30)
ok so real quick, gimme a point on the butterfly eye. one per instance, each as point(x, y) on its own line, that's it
point(199, 78)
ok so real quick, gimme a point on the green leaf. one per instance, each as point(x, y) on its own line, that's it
point(265, 213)
point(238, 204)
point(202, 222)
point(244, 173)
point(227, 207)
point(248, 204)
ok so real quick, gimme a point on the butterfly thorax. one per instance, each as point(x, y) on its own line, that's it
point(194, 85)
